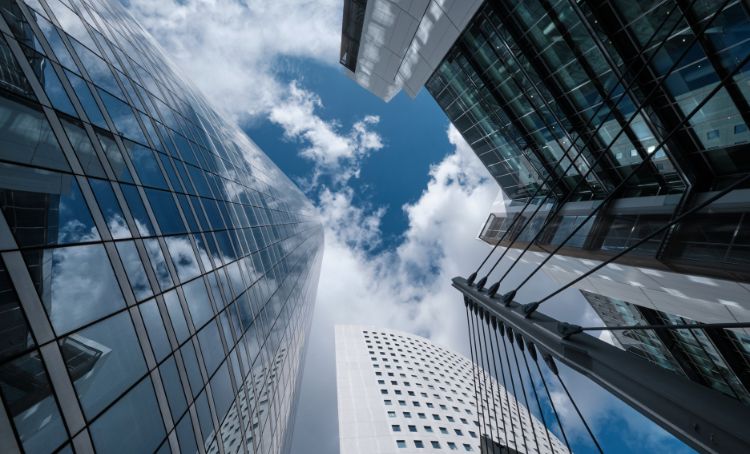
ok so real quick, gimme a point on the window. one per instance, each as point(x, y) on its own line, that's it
point(458, 432)
point(391, 414)
point(472, 434)
point(384, 391)
point(412, 428)
point(418, 444)
point(437, 417)
point(467, 447)
point(452, 446)
point(400, 443)
point(407, 414)
point(712, 134)
point(443, 430)
point(396, 428)
point(435, 444)
point(387, 402)
point(428, 429)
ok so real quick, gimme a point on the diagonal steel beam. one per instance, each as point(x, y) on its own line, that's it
point(702, 417)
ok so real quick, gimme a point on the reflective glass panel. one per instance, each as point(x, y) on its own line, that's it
point(110, 208)
point(103, 360)
point(76, 284)
point(134, 269)
point(29, 401)
point(157, 334)
point(26, 137)
point(133, 424)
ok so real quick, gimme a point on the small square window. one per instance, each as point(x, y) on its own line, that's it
point(412, 428)
point(401, 443)
point(740, 128)
point(418, 444)
point(388, 402)
point(713, 134)
point(452, 446)
point(396, 428)
point(391, 414)
point(428, 429)
point(407, 414)
point(435, 444)
point(467, 447)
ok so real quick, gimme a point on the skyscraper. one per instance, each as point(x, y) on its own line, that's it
point(157, 270)
point(401, 393)
point(602, 122)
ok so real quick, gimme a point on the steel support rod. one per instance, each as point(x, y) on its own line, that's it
point(702, 417)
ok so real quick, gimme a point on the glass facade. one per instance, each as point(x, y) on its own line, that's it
point(562, 100)
point(715, 357)
point(157, 270)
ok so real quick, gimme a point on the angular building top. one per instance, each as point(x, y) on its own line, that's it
point(157, 270)
point(399, 392)
point(392, 45)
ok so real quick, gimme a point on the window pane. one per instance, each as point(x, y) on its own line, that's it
point(191, 368)
point(158, 264)
point(110, 208)
point(198, 302)
point(87, 100)
point(157, 335)
point(76, 284)
point(85, 152)
point(213, 352)
point(44, 208)
point(103, 360)
point(133, 424)
point(137, 209)
point(177, 316)
point(173, 388)
point(145, 165)
point(183, 257)
point(134, 269)
point(221, 390)
point(16, 336)
point(29, 401)
point(26, 137)
point(114, 156)
point(186, 435)
point(165, 210)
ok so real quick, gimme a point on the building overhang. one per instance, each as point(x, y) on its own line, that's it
point(400, 44)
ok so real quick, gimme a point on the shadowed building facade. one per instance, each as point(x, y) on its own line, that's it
point(602, 122)
point(157, 270)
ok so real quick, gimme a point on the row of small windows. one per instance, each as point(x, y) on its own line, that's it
point(434, 444)
point(428, 429)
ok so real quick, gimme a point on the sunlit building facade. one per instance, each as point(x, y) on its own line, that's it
point(601, 121)
point(399, 392)
point(157, 270)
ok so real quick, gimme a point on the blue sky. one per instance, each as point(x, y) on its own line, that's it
point(413, 132)
point(400, 193)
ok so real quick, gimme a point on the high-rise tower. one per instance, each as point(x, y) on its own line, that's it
point(401, 393)
point(603, 122)
point(157, 270)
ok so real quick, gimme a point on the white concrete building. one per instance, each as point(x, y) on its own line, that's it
point(399, 393)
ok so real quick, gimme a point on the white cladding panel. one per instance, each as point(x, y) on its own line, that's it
point(387, 378)
point(404, 41)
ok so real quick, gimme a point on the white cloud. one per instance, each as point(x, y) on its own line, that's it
point(235, 50)
point(332, 152)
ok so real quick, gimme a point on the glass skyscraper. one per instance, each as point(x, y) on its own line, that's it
point(157, 270)
point(602, 121)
